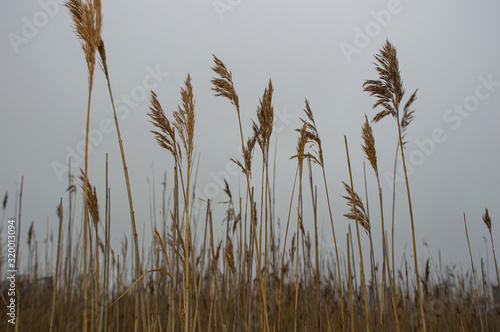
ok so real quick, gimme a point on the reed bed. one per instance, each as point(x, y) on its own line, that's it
point(247, 278)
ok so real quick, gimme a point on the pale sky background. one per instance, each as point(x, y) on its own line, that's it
point(447, 49)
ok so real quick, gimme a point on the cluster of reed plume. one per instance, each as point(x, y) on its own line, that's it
point(249, 280)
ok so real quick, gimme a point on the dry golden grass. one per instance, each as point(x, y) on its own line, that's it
point(234, 282)
point(389, 92)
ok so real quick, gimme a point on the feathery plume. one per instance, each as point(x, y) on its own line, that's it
point(228, 256)
point(313, 136)
point(487, 219)
point(223, 85)
point(301, 144)
point(87, 23)
point(93, 204)
point(265, 115)
point(388, 89)
point(185, 119)
point(408, 116)
point(247, 152)
point(165, 136)
point(59, 211)
point(360, 209)
point(5, 198)
point(369, 144)
point(31, 233)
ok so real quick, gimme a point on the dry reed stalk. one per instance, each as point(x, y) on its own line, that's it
point(46, 265)
point(60, 215)
point(369, 142)
point(356, 208)
point(224, 87)
point(93, 210)
point(328, 319)
point(371, 154)
point(487, 222)
point(314, 138)
point(284, 248)
point(242, 261)
point(229, 258)
point(389, 91)
point(247, 153)
point(97, 286)
point(17, 245)
point(393, 209)
point(19, 218)
point(364, 220)
point(263, 131)
point(184, 123)
point(474, 275)
point(175, 223)
point(106, 251)
point(352, 256)
point(67, 267)
point(214, 267)
point(373, 266)
point(365, 224)
point(245, 262)
point(314, 196)
point(31, 235)
point(358, 214)
point(301, 144)
point(139, 295)
point(4, 204)
point(87, 20)
point(203, 254)
point(407, 279)
point(350, 282)
point(230, 216)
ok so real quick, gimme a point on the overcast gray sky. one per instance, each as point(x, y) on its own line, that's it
point(320, 50)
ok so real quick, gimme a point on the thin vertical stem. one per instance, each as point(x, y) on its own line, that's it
point(336, 249)
point(85, 214)
point(263, 292)
point(393, 209)
point(422, 313)
point(494, 258)
point(473, 274)
point(139, 295)
point(60, 215)
point(350, 282)
point(367, 316)
point(284, 249)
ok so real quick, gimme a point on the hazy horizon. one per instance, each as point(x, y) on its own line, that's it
point(322, 51)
